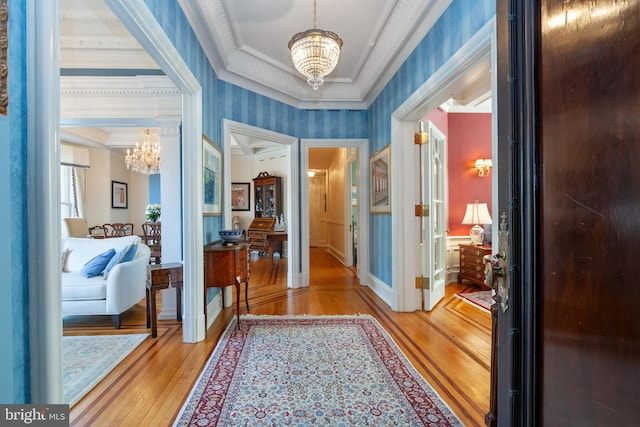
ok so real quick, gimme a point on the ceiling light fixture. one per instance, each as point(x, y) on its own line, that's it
point(145, 159)
point(315, 52)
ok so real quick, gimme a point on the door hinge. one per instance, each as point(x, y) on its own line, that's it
point(422, 282)
point(422, 210)
point(420, 138)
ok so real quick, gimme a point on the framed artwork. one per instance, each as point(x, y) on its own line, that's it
point(211, 178)
point(4, 43)
point(380, 181)
point(240, 196)
point(119, 195)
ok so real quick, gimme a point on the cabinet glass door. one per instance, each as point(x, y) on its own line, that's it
point(270, 200)
point(259, 201)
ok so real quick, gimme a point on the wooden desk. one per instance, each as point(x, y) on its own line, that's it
point(163, 276)
point(226, 266)
point(274, 241)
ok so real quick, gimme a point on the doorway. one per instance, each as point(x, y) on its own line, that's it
point(357, 150)
point(231, 128)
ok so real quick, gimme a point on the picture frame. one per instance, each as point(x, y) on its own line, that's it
point(240, 196)
point(211, 178)
point(380, 181)
point(119, 195)
point(4, 37)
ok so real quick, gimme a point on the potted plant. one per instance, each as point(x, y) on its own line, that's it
point(152, 212)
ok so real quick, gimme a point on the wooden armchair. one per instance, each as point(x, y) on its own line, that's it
point(118, 230)
point(153, 238)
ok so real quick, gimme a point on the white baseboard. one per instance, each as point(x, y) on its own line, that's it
point(388, 295)
point(214, 308)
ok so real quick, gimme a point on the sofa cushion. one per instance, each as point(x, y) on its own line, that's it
point(123, 255)
point(76, 287)
point(83, 249)
point(96, 265)
point(64, 257)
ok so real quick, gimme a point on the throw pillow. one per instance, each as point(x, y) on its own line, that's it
point(123, 255)
point(95, 266)
point(63, 259)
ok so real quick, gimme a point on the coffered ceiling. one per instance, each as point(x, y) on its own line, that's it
point(108, 81)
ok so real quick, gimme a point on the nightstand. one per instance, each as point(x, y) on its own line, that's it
point(471, 265)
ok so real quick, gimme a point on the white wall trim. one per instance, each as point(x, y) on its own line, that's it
point(230, 127)
point(139, 20)
point(404, 242)
point(363, 202)
point(43, 178)
point(388, 295)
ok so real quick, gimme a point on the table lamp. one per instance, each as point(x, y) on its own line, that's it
point(477, 214)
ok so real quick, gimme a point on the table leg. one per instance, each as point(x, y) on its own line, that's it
point(246, 294)
point(148, 308)
point(238, 301)
point(154, 321)
point(179, 302)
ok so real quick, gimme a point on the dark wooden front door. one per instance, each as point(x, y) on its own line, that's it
point(569, 126)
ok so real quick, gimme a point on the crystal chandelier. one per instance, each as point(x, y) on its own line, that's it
point(145, 159)
point(315, 52)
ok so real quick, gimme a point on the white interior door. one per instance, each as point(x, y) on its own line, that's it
point(434, 187)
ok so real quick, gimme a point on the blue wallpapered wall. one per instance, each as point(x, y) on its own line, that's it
point(14, 305)
point(461, 20)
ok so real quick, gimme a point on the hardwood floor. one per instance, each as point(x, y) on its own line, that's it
point(449, 346)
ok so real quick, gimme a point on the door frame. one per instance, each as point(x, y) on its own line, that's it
point(404, 185)
point(363, 199)
point(230, 127)
point(43, 111)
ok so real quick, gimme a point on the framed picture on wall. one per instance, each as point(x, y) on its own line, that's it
point(211, 178)
point(240, 196)
point(119, 195)
point(380, 181)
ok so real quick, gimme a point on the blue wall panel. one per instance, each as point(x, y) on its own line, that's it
point(14, 305)
point(459, 22)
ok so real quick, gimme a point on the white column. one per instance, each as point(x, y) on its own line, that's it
point(170, 193)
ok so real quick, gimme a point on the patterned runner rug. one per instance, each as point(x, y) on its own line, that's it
point(311, 370)
point(479, 299)
point(88, 359)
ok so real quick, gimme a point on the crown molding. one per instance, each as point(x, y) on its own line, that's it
point(405, 26)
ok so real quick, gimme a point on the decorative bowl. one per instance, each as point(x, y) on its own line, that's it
point(230, 236)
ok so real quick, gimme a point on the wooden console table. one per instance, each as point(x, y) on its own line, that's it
point(274, 241)
point(226, 266)
point(163, 276)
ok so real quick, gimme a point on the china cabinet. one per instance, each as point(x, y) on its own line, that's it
point(268, 195)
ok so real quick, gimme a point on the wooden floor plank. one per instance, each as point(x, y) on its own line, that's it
point(449, 346)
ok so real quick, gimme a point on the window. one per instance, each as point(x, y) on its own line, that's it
point(68, 195)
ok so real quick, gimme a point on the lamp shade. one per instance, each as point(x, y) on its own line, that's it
point(477, 214)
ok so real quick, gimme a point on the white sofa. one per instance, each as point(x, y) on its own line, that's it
point(124, 286)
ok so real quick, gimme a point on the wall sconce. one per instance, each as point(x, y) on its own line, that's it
point(483, 166)
point(311, 174)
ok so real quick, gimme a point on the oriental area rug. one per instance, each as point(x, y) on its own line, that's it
point(311, 370)
point(88, 359)
point(479, 299)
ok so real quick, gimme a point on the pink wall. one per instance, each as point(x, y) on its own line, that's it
point(468, 139)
